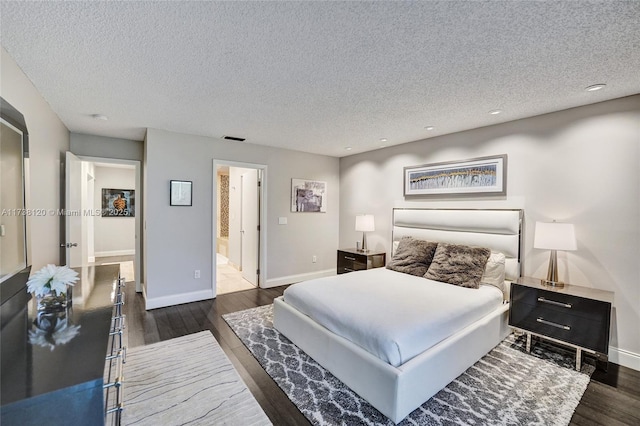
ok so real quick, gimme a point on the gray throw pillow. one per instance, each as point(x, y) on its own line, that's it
point(458, 264)
point(412, 256)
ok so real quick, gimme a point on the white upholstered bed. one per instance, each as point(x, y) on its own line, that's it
point(397, 376)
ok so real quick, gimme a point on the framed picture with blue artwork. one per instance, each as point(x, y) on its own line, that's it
point(482, 176)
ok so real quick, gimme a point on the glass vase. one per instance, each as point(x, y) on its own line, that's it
point(52, 302)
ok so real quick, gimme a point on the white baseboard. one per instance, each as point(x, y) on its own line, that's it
point(625, 358)
point(177, 299)
point(115, 253)
point(290, 279)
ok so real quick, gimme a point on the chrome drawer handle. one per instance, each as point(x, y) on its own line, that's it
point(348, 270)
point(120, 354)
point(553, 302)
point(116, 332)
point(115, 384)
point(350, 258)
point(117, 409)
point(553, 324)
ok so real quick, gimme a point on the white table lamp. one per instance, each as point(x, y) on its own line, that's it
point(554, 236)
point(365, 223)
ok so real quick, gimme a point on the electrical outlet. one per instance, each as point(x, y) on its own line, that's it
point(314, 258)
point(196, 273)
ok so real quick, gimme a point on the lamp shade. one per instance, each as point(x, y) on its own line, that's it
point(364, 223)
point(554, 236)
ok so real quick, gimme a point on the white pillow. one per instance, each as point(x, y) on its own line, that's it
point(494, 271)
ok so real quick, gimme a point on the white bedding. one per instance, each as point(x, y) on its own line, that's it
point(392, 315)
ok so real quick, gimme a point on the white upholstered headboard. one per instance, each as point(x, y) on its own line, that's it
point(498, 230)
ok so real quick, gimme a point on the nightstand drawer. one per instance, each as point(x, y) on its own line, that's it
point(564, 304)
point(350, 260)
point(560, 325)
point(577, 320)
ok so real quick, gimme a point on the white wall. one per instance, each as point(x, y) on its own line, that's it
point(105, 147)
point(180, 240)
point(580, 165)
point(114, 236)
point(48, 140)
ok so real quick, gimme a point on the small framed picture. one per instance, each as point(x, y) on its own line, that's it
point(118, 202)
point(308, 196)
point(181, 191)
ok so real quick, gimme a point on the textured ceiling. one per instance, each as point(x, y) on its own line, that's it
point(319, 76)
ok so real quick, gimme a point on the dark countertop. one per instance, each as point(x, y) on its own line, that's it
point(37, 374)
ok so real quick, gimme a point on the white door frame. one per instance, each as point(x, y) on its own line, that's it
point(262, 260)
point(137, 263)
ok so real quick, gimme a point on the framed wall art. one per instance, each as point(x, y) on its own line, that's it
point(483, 176)
point(308, 196)
point(180, 193)
point(118, 202)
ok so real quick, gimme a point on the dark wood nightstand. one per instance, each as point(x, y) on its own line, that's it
point(575, 316)
point(350, 260)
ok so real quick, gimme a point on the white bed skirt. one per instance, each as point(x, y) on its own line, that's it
point(394, 391)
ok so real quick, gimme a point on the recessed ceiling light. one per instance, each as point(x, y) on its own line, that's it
point(383, 140)
point(495, 111)
point(100, 117)
point(595, 87)
point(348, 148)
point(429, 127)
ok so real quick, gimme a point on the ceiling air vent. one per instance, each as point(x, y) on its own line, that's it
point(233, 138)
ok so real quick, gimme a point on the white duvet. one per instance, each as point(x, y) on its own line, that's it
point(392, 315)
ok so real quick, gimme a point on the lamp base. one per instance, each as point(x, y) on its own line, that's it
point(552, 272)
point(555, 284)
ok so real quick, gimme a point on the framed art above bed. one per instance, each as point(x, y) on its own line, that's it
point(481, 176)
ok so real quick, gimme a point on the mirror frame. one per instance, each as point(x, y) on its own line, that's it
point(14, 119)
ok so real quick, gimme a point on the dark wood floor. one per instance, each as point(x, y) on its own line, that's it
point(612, 398)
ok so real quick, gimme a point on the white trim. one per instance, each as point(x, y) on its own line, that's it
point(177, 299)
point(291, 279)
point(115, 253)
point(625, 358)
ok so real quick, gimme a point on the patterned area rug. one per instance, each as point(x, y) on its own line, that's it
point(187, 380)
point(506, 387)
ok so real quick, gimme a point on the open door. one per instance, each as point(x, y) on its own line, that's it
point(73, 211)
point(250, 223)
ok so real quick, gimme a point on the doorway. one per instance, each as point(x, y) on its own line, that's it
point(102, 216)
point(238, 212)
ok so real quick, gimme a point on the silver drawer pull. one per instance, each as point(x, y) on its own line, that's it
point(117, 409)
point(553, 302)
point(116, 332)
point(116, 383)
point(350, 258)
point(348, 270)
point(553, 324)
point(120, 354)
